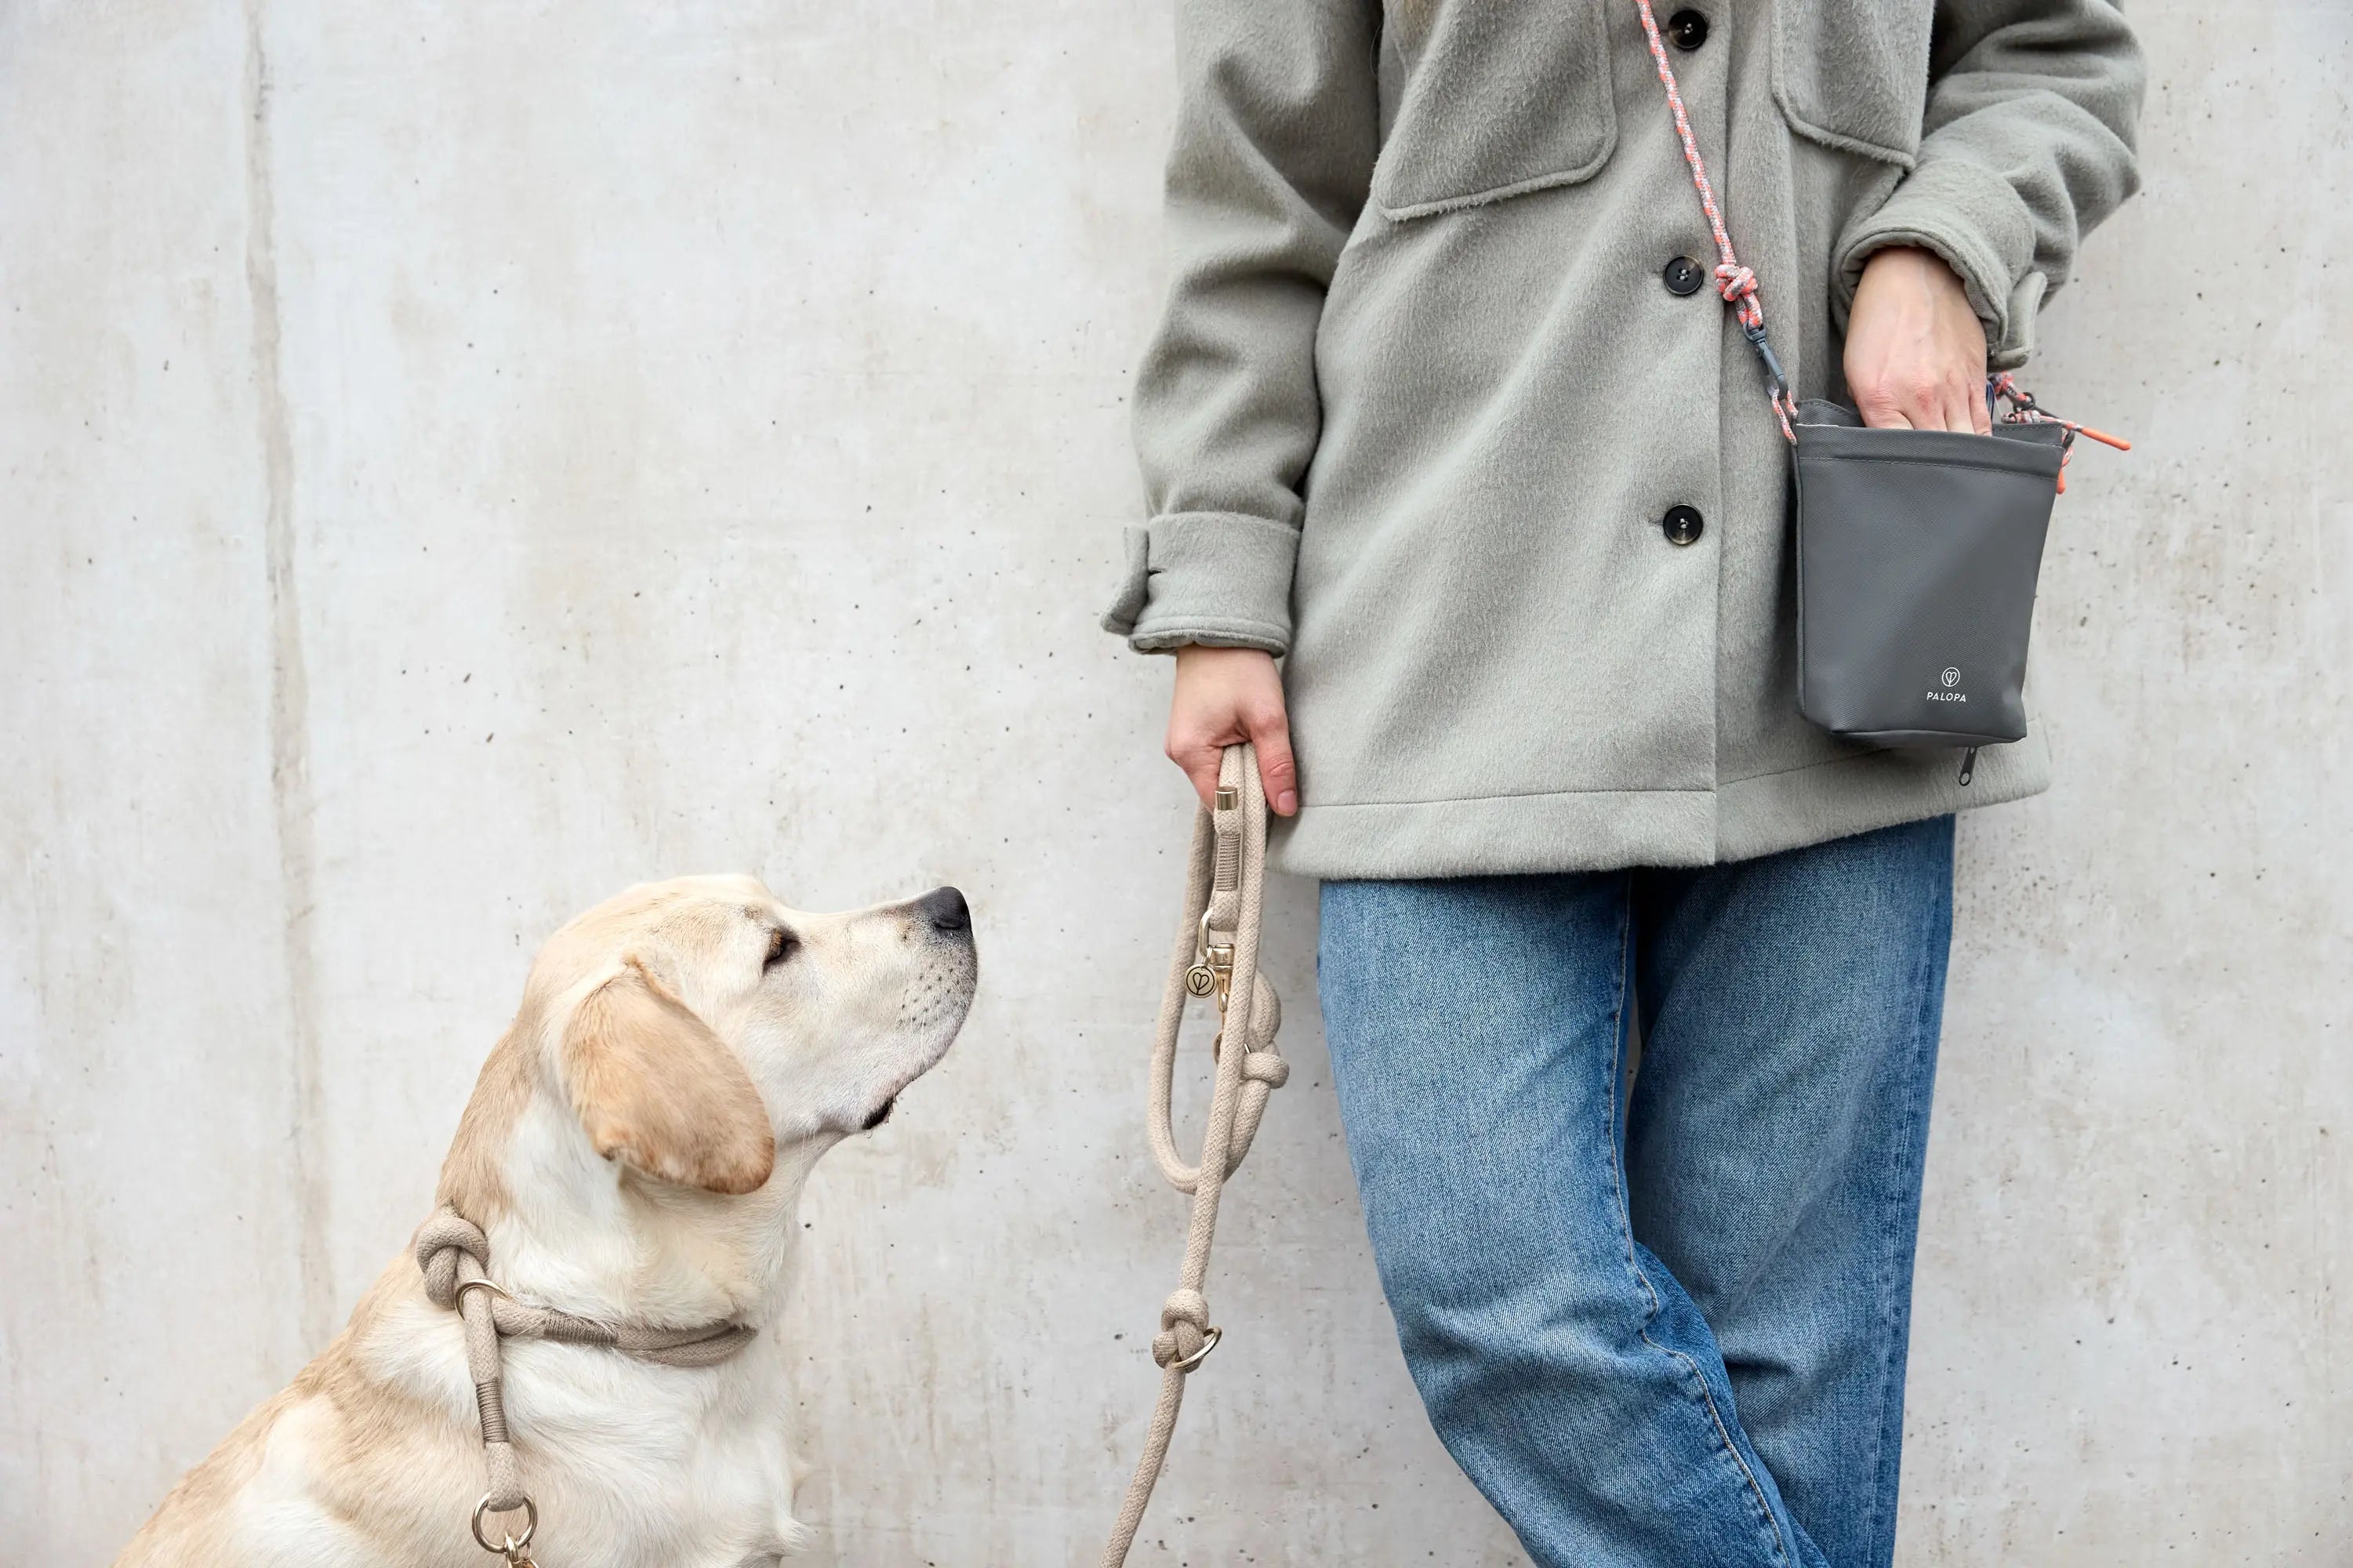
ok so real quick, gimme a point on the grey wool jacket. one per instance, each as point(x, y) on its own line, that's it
point(1421, 396)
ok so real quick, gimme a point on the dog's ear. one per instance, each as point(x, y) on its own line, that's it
point(658, 1090)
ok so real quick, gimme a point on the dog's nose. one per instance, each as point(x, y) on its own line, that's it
point(945, 909)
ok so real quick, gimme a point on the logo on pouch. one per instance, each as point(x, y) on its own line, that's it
point(1952, 676)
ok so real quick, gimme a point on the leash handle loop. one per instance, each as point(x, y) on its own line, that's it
point(1227, 867)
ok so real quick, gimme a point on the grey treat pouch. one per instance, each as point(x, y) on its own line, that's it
point(1917, 555)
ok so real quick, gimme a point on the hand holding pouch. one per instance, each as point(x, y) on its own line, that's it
point(1917, 556)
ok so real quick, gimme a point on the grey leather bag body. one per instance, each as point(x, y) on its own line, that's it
point(1917, 556)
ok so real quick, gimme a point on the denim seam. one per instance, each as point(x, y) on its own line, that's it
point(1626, 1233)
point(1892, 1200)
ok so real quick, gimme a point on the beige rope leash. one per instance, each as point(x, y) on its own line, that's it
point(454, 1256)
point(1216, 955)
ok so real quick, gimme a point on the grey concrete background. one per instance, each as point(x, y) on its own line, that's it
point(460, 459)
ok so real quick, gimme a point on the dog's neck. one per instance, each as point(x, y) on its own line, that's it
point(571, 1230)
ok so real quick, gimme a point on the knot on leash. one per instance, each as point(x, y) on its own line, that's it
point(1185, 1333)
point(1267, 1067)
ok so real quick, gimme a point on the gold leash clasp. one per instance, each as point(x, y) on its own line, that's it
point(1213, 967)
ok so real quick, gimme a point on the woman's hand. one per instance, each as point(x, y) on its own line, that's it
point(1224, 696)
point(1916, 353)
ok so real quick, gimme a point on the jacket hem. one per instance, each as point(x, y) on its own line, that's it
point(1870, 790)
point(1587, 830)
point(1608, 830)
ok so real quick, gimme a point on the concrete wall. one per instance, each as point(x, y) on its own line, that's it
point(460, 459)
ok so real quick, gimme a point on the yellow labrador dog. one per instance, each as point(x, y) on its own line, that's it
point(632, 1156)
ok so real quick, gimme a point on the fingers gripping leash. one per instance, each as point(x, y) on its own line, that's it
point(1216, 956)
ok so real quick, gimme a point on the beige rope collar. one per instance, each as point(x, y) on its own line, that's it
point(1216, 955)
point(454, 1256)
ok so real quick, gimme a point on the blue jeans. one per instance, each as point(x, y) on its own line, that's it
point(1661, 1323)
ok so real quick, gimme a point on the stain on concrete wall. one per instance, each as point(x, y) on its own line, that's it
point(460, 459)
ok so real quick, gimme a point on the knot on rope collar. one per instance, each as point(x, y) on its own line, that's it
point(440, 1242)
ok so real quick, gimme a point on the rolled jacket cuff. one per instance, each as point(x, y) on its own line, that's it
point(1978, 223)
point(1219, 579)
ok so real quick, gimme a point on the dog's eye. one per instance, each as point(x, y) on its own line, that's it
point(780, 946)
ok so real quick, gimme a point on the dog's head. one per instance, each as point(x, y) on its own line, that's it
point(697, 1027)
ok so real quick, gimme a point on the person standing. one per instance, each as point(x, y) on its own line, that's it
point(1444, 413)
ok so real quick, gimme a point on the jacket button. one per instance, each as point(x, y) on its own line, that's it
point(1688, 29)
point(1684, 275)
point(1682, 524)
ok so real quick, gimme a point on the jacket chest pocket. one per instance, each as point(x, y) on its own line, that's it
point(1499, 97)
point(1854, 74)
